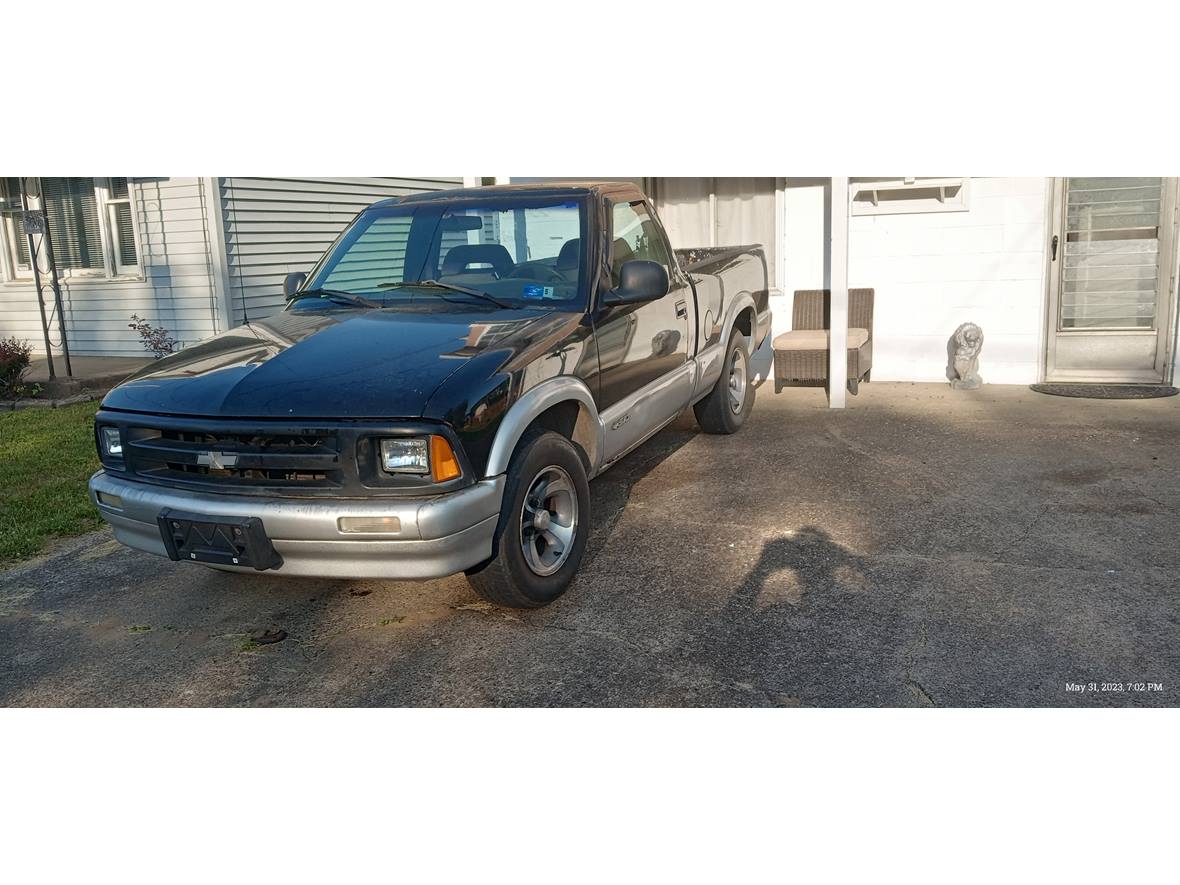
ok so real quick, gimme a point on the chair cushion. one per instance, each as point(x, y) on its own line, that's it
point(816, 339)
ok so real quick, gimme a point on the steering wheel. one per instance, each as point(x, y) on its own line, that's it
point(529, 272)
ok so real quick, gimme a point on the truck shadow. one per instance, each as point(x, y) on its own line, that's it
point(611, 492)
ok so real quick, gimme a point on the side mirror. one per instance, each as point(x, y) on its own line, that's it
point(293, 283)
point(639, 280)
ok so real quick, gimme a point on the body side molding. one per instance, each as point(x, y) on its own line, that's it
point(654, 407)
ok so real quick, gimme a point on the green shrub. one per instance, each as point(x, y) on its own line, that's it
point(156, 339)
point(15, 357)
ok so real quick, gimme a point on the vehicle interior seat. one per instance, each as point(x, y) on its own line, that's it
point(495, 260)
point(621, 252)
point(568, 259)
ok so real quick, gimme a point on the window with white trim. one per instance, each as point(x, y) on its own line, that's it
point(91, 225)
point(899, 196)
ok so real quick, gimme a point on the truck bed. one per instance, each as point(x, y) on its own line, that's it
point(719, 273)
point(711, 259)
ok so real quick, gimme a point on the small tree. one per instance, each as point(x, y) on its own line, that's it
point(156, 339)
point(15, 357)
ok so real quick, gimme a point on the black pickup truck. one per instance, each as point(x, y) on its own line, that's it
point(437, 393)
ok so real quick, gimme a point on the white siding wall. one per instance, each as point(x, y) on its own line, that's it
point(741, 212)
point(274, 226)
point(933, 271)
point(19, 316)
point(176, 290)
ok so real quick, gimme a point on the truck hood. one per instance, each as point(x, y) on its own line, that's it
point(333, 362)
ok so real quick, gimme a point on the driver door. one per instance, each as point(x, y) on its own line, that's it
point(644, 375)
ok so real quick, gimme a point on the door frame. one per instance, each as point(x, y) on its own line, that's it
point(1165, 328)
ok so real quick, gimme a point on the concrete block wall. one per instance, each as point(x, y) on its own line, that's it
point(933, 271)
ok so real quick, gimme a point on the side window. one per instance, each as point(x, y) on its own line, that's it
point(635, 235)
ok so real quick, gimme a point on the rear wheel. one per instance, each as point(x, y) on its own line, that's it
point(728, 404)
point(544, 522)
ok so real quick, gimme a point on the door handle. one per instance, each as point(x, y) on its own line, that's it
point(1054, 245)
point(681, 309)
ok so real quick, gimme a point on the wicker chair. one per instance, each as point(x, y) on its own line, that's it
point(801, 355)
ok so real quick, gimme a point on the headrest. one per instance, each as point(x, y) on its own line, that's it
point(571, 252)
point(622, 253)
point(460, 257)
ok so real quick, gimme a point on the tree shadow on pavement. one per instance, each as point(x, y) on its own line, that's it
point(790, 567)
point(796, 625)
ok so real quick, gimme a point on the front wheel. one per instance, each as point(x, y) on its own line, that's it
point(544, 523)
point(728, 404)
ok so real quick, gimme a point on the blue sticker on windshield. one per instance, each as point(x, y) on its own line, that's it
point(541, 293)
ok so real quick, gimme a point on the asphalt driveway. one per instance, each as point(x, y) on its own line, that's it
point(924, 547)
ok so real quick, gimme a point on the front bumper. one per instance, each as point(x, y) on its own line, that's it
point(438, 536)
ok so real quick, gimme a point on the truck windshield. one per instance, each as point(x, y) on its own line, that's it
point(518, 252)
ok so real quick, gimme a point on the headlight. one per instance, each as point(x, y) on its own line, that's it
point(111, 442)
point(420, 455)
point(407, 455)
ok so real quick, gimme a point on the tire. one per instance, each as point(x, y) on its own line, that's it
point(725, 410)
point(514, 577)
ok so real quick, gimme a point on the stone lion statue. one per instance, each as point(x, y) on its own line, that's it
point(968, 342)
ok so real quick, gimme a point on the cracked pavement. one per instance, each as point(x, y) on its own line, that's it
point(925, 547)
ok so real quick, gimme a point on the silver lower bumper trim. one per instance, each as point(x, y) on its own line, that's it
point(438, 536)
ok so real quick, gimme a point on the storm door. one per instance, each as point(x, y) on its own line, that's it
point(1111, 280)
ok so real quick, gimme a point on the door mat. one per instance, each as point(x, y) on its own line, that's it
point(1106, 391)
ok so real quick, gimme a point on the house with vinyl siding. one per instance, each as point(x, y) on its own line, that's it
point(1069, 278)
point(194, 255)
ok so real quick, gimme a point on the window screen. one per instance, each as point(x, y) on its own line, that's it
point(119, 203)
point(72, 208)
point(11, 206)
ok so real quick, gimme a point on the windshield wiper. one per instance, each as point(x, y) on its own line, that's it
point(435, 284)
point(336, 295)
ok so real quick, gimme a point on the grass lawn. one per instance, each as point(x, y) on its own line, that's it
point(46, 456)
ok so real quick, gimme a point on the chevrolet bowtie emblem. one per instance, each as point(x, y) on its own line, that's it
point(217, 460)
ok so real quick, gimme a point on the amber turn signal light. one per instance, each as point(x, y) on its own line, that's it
point(443, 463)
